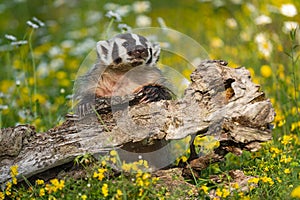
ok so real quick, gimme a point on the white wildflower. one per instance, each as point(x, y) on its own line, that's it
point(289, 26)
point(245, 36)
point(123, 10)
point(67, 44)
point(141, 6)
point(55, 51)
point(231, 23)
point(264, 45)
point(237, 1)
point(62, 91)
point(3, 107)
point(124, 27)
point(93, 17)
point(10, 37)
point(32, 25)
point(18, 82)
point(19, 43)
point(263, 19)
point(114, 15)
point(39, 22)
point(251, 7)
point(288, 10)
point(143, 21)
point(56, 64)
point(111, 6)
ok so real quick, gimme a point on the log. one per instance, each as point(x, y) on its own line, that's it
point(220, 101)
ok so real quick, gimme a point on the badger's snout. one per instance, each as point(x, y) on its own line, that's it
point(139, 52)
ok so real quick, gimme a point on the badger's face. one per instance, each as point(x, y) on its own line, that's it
point(127, 50)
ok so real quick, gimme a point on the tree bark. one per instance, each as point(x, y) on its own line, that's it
point(220, 101)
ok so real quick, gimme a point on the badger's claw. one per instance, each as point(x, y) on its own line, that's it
point(152, 93)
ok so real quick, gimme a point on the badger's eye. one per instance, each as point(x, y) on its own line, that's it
point(125, 44)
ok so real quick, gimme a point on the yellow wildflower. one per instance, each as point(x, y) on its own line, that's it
point(279, 180)
point(139, 182)
point(296, 192)
point(287, 171)
point(286, 159)
point(103, 163)
point(58, 184)
point(235, 186)
point(146, 176)
point(245, 198)
point(141, 192)
point(225, 193)
point(266, 169)
point(61, 75)
point(51, 197)
point(84, 197)
point(2, 196)
point(295, 125)
point(14, 180)
point(39, 182)
point(100, 174)
point(266, 71)
point(266, 179)
point(184, 158)
point(42, 192)
point(49, 188)
point(105, 190)
point(14, 170)
point(205, 189)
point(119, 192)
point(126, 167)
point(208, 143)
point(155, 179)
point(40, 98)
point(275, 150)
point(113, 153)
point(253, 180)
point(286, 139)
point(8, 188)
point(113, 159)
point(219, 192)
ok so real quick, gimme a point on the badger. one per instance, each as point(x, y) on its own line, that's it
point(126, 65)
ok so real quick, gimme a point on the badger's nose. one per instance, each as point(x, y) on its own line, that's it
point(139, 52)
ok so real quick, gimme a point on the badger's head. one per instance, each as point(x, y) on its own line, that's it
point(129, 50)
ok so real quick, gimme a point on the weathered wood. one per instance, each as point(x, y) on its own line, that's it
point(220, 101)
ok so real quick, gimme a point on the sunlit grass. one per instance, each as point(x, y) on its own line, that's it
point(39, 64)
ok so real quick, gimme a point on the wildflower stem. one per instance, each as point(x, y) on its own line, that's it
point(34, 70)
point(101, 121)
point(109, 27)
point(294, 65)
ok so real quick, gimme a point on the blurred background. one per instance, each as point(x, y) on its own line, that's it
point(43, 43)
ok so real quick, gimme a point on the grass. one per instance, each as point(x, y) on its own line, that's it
point(40, 64)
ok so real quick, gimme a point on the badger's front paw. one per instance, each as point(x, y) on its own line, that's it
point(151, 93)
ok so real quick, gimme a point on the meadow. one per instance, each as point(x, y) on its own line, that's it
point(43, 44)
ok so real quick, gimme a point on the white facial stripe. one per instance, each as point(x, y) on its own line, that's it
point(137, 39)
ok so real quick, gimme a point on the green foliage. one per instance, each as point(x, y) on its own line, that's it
point(39, 63)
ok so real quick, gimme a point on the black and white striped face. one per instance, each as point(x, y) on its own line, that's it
point(128, 49)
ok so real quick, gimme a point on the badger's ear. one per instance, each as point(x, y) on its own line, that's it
point(103, 49)
point(156, 51)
